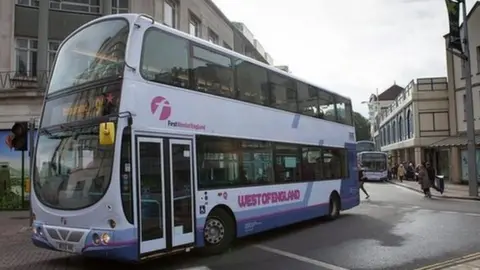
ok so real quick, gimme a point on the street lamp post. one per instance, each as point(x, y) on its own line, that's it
point(459, 46)
point(471, 147)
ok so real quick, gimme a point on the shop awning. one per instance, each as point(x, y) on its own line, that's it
point(454, 141)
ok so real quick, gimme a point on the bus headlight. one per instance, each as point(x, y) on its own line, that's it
point(96, 239)
point(105, 238)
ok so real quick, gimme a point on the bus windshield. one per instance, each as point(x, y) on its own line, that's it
point(374, 162)
point(365, 146)
point(72, 170)
point(95, 52)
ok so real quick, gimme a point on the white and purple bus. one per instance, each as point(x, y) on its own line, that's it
point(153, 142)
point(375, 165)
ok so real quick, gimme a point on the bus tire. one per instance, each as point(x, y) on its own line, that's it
point(334, 207)
point(218, 232)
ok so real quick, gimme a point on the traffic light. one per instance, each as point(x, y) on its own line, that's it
point(19, 140)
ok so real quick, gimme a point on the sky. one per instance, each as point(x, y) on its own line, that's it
point(351, 47)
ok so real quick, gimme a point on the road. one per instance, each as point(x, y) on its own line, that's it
point(395, 229)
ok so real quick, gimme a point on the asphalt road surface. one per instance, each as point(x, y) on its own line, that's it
point(395, 229)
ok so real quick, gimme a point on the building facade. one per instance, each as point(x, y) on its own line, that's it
point(417, 118)
point(246, 44)
point(19, 95)
point(456, 144)
point(22, 81)
point(377, 104)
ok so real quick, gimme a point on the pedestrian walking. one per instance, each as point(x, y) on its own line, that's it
point(431, 176)
point(410, 171)
point(401, 172)
point(361, 180)
point(424, 181)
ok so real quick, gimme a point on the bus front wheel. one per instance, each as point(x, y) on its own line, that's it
point(334, 207)
point(219, 231)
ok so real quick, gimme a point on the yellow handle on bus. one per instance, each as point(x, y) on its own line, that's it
point(106, 134)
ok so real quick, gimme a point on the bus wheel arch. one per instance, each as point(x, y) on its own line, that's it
point(220, 230)
point(334, 205)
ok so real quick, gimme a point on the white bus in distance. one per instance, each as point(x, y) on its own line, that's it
point(152, 142)
point(375, 165)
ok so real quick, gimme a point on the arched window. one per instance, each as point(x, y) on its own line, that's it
point(381, 136)
point(389, 139)
point(409, 124)
point(400, 128)
point(394, 132)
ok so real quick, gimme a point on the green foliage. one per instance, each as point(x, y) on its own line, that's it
point(11, 201)
point(362, 127)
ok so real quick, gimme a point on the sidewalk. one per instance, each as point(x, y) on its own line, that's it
point(452, 191)
point(16, 249)
point(472, 265)
point(14, 222)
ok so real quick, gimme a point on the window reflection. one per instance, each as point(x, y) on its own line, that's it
point(252, 83)
point(165, 59)
point(73, 170)
point(283, 94)
point(172, 60)
point(307, 100)
point(344, 111)
point(212, 72)
point(287, 168)
point(225, 162)
point(96, 52)
point(327, 106)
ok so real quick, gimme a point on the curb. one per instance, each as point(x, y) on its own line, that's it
point(452, 263)
point(436, 196)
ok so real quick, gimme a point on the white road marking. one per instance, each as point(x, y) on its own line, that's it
point(451, 212)
point(196, 268)
point(437, 194)
point(473, 214)
point(300, 258)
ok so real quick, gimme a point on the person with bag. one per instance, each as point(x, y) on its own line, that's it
point(424, 181)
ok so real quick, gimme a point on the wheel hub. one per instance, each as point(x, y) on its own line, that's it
point(214, 231)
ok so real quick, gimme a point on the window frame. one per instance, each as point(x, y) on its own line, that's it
point(62, 3)
point(189, 57)
point(116, 9)
point(174, 5)
point(29, 49)
point(213, 37)
point(196, 22)
point(237, 144)
point(31, 3)
point(192, 57)
point(320, 93)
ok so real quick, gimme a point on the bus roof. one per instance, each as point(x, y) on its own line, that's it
point(373, 152)
point(133, 17)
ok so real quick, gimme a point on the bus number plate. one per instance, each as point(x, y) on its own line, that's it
point(66, 247)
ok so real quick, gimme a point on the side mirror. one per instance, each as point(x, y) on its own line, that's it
point(106, 133)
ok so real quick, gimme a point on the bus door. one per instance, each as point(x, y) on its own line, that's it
point(165, 186)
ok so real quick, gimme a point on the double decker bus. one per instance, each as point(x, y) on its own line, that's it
point(153, 142)
point(365, 146)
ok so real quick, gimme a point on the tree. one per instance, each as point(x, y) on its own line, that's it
point(362, 127)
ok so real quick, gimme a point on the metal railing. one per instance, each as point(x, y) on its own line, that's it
point(11, 80)
point(420, 84)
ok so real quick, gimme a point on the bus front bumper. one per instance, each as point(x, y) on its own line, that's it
point(88, 242)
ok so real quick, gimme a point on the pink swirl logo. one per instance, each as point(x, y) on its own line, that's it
point(161, 104)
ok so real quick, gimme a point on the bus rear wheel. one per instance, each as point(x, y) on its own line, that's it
point(219, 231)
point(334, 207)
